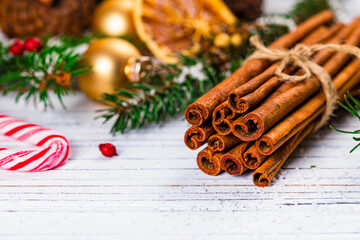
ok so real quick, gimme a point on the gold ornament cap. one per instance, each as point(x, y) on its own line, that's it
point(137, 68)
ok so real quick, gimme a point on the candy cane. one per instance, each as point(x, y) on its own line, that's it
point(53, 153)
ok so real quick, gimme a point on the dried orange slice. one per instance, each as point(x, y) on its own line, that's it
point(170, 26)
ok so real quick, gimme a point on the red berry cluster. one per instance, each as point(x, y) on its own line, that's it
point(31, 44)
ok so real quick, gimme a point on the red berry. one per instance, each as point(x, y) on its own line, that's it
point(17, 48)
point(33, 44)
point(108, 150)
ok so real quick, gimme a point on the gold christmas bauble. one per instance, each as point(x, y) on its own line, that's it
point(107, 58)
point(113, 18)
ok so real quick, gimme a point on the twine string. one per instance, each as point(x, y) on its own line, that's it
point(299, 56)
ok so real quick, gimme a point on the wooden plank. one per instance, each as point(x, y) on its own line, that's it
point(154, 189)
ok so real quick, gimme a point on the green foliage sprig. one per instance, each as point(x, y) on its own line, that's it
point(33, 75)
point(155, 101)
point(351, 105)
point(163, 95)
point(304, 9)
point(269, 33)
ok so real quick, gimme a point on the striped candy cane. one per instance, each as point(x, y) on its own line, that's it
point(53, 153)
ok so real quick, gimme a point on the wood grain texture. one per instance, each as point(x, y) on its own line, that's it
point(153, 189)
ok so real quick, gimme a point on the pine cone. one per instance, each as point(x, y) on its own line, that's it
point(24, 18)
point(246, 9)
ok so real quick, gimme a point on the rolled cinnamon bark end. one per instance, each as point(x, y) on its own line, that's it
point(265, 145)
point(218, 143)
point(232, 165)
point(255, 123)
point(223, 128)
point(195, 137)
point(247, 102)
point(253, 158)
point(222, 112)
point(248, 128)
point(263, 175)
point(261, 179)
point(221, 119)
point(251, 100)
point(249, 87)
point(244, 104)
point(209, 162)
point(281, 133)
point(232, 162)
point(196, 114)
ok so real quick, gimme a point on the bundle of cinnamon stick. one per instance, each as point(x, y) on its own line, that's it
point(254, 120)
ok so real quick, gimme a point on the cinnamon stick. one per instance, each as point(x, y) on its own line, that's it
point(218, 143)
point(283, 88)
point(249, 87)
point(253, 125)
point(284, 130)
point(271, 141)
point(236, 104)
point(195, 137)
point(221, 112)
point(323, 34)
point(263, 176)
point(339, 36)
point(252, 158)
point(353, 83)
point(322, 56)
point(355, 92)
point(198, 112)
point(224, 127)
point(316, 34)
point(249, 101)
point(209, 162)
point(251, 93)
point(232, 162)
point(221, 116)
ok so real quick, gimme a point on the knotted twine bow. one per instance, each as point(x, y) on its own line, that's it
point(299, 56)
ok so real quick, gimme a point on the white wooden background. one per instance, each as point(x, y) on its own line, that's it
point(153, 189)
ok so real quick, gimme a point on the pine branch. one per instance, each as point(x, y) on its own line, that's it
point(69, 41)
point(306, 8)
point(352, 105)
point(34, 75)
point(269, 33)
point(163, 95)
point(146, 103)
